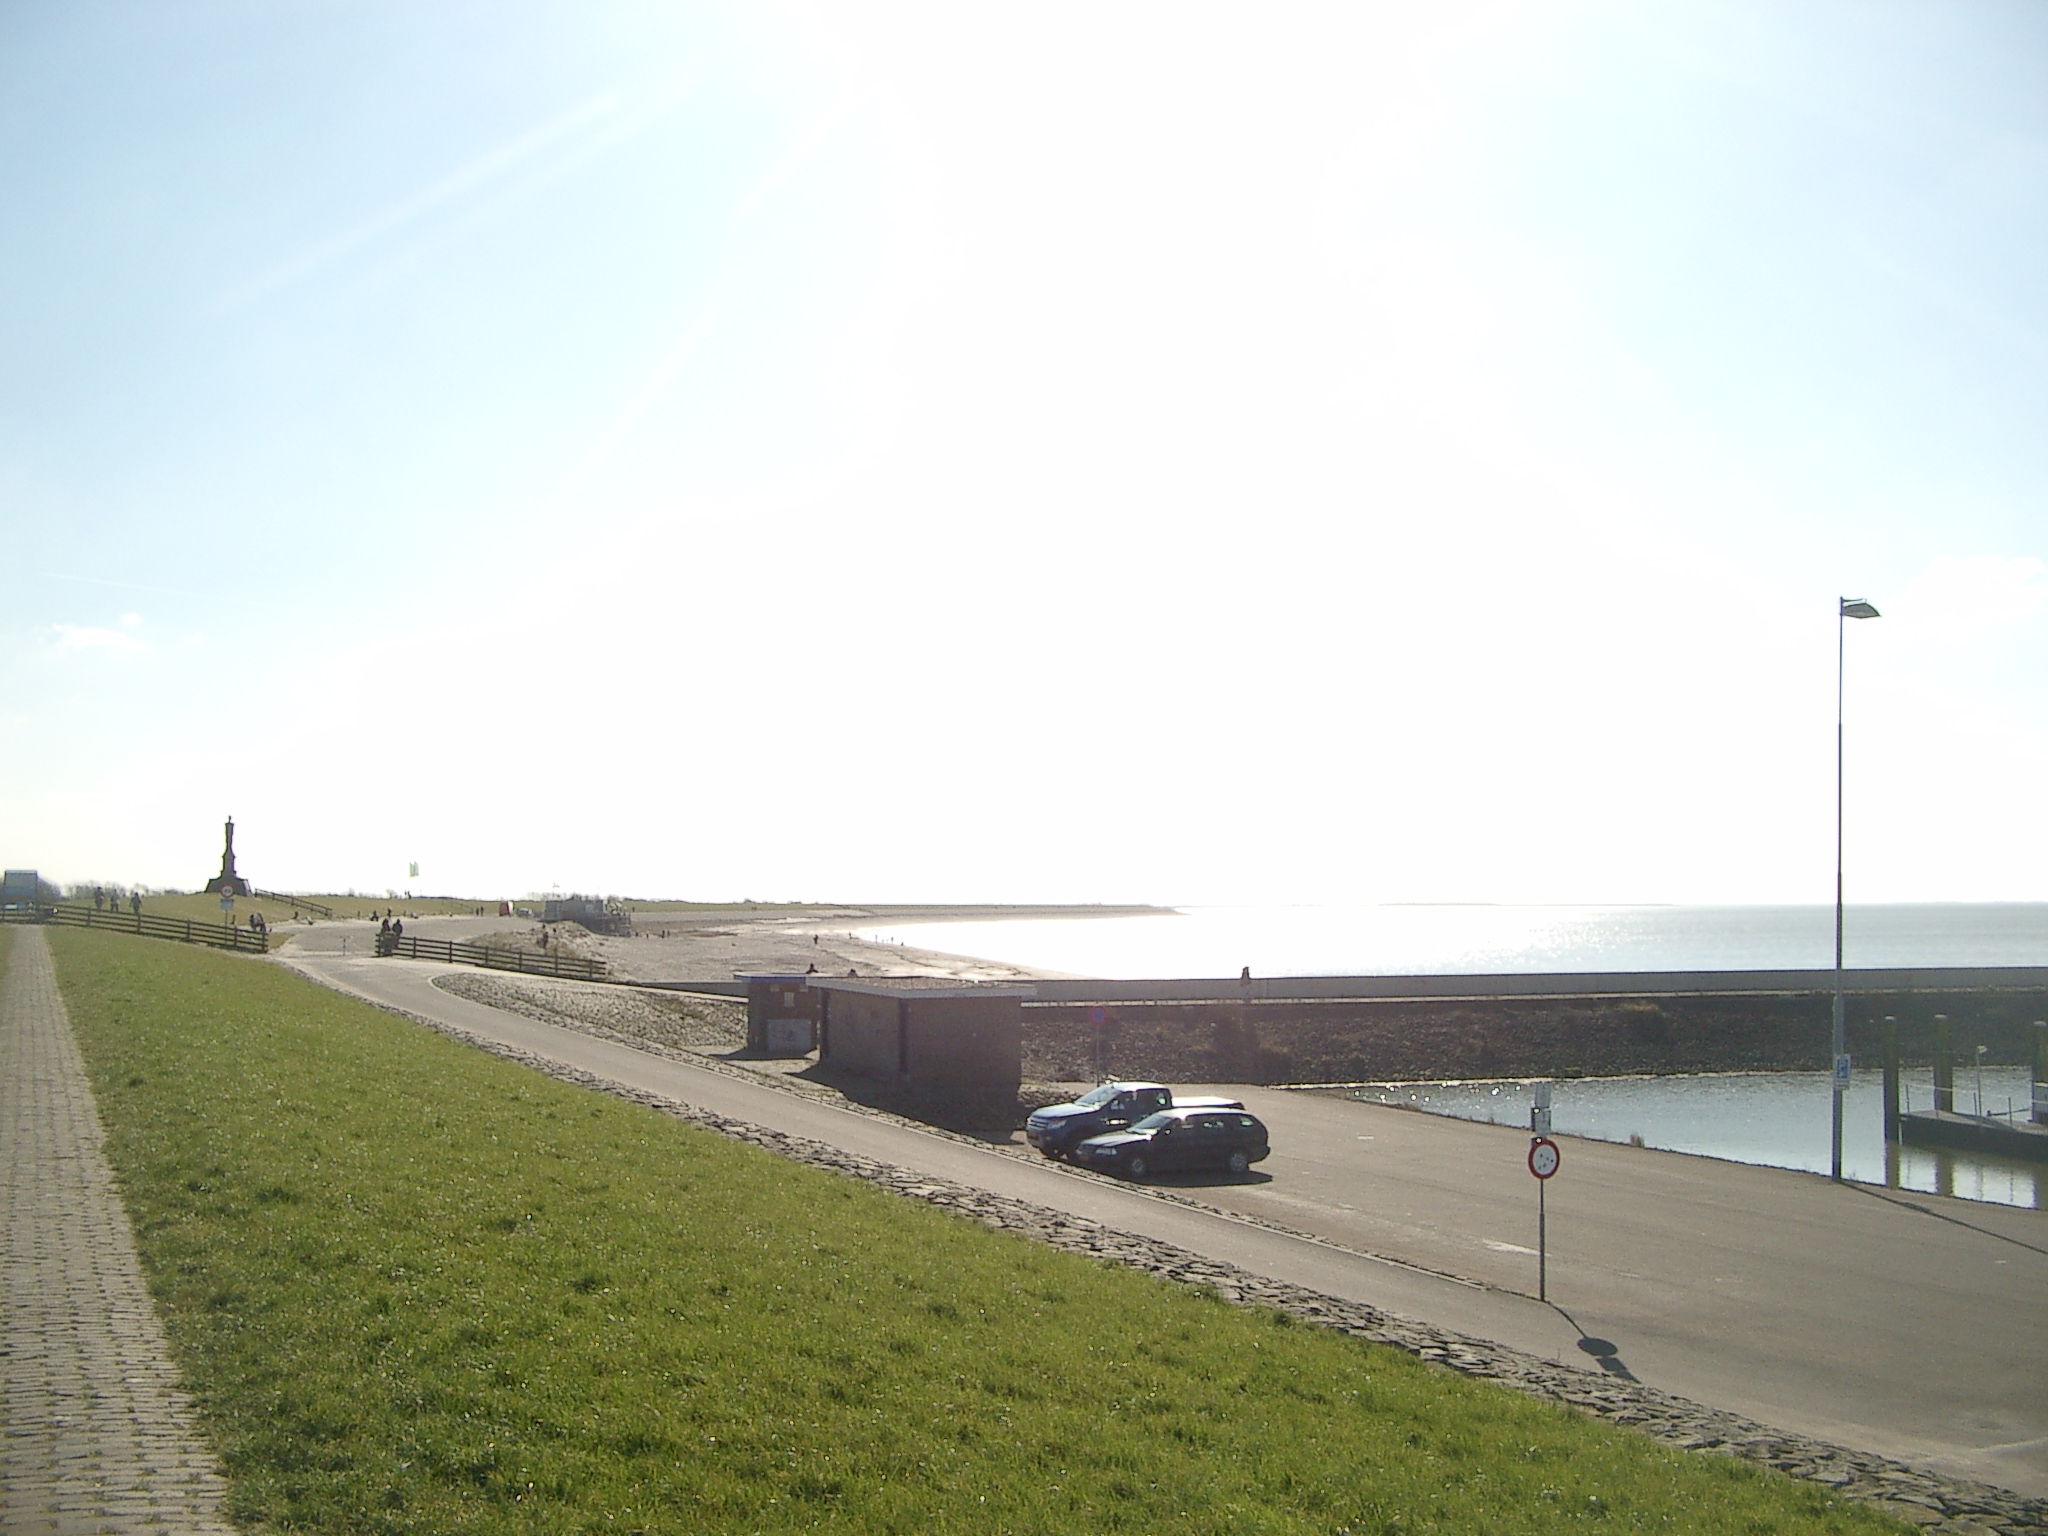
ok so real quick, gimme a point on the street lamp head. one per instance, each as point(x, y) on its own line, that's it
point(1857, 608)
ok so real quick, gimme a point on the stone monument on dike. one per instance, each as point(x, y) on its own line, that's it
point(227, 882)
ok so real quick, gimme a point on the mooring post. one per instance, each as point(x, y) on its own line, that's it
point(2040, 1072)
point(1891, 1078)
point(1944, 1069)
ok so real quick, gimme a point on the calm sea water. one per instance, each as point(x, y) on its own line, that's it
point(1434, 940)
point(1777, 1119)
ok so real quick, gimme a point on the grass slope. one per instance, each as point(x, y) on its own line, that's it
point(415, 1288)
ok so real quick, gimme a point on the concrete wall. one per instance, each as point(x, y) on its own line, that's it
point(956, 1056)
point(781, 1001)
point(1544, 984)
point(967, 1049)
point(861, 1035)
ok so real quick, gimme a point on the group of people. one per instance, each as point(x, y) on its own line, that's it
point(100, 900)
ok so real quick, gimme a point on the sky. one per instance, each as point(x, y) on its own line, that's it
point(1177, 453)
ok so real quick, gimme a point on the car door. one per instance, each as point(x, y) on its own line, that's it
point(1169, 1146)
point(1210, 1145)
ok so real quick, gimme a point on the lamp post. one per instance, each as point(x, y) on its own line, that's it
point(1850, 608)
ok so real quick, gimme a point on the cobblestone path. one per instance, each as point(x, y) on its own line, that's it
point(94, 1434)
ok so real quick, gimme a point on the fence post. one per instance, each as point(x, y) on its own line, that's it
point(2040, 1072)
point(1891, 1078)
point(1944, 1069)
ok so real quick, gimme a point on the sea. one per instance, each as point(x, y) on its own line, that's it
point(1478, 940)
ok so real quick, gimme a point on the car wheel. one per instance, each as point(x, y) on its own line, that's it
point(1240, 1162)
point(1137, 1168)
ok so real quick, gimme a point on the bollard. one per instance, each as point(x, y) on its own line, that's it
point(2040, 1072)
point(1944, 1069)
point(1891, 1079)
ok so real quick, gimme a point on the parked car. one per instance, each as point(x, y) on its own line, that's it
point(1059, 1128)
point(1176, 1139)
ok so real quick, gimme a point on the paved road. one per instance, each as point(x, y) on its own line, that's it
point(94, 1434)
point(1911, 1326)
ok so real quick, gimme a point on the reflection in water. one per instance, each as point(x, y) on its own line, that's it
point(1776, 1119)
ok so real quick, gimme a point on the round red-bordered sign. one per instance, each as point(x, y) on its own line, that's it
point(1544, 1157)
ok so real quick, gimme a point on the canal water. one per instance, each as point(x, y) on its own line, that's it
point(1776, 1119)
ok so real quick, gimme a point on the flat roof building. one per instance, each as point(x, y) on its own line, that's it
point(951, 1050)
point(782, 1013)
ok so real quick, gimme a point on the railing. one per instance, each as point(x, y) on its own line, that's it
point(292, 901)
point(184, 929)
point(527, 962)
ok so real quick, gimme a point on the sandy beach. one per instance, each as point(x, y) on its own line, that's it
point(713, 946)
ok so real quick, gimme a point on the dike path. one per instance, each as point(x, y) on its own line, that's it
point(95, 1435)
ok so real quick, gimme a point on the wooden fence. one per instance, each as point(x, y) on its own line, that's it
point(526, 961)
point(184, 929)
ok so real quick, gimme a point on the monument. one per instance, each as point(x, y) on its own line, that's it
point(227, 882)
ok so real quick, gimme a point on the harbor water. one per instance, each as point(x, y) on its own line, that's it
point(1775, 1119)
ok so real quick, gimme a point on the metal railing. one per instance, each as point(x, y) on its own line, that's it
point(184, 929)
point(292, 901)
point(492, 957)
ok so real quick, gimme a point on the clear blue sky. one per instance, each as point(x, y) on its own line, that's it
point(1078, 452)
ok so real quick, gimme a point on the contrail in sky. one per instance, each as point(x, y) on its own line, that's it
point(476, 173)
point(665, 372)
point(126, 586)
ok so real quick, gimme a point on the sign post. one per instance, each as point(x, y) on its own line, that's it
point(1543, 1160)
point(1098, 1028)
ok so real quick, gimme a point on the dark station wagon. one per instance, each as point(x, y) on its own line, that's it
point(1177, 1139)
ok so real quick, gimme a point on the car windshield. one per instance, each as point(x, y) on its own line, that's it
point(1153, 1123)
point(1095, 1098)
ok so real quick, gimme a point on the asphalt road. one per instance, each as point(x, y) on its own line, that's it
point(1903, 1324)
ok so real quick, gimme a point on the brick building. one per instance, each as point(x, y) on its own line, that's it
point(953, 1049)
point(782, 1013)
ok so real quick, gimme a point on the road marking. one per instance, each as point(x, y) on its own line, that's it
point(1507, 1247)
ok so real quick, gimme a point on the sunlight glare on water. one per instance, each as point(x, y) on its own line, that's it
point(1435, 940)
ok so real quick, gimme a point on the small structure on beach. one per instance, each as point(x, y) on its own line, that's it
point(593, 913)
point(782, 1013)
point(951, 1049)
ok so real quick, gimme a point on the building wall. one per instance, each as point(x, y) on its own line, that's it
point(968, 1050)
point(952, 1056)
point(861, 1034)
point(780, 1000)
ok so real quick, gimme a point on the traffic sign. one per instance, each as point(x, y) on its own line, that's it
point(1098, 1017)
point(1543, 1157)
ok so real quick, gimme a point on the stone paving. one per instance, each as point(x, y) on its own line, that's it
point(94, 1434)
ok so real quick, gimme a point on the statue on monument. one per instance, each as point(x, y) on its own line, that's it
point(227, 882)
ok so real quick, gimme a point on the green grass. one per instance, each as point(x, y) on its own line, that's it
point(414, 1288)
point(203, 908)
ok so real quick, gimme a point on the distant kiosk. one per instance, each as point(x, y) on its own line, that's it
point(227, 882)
